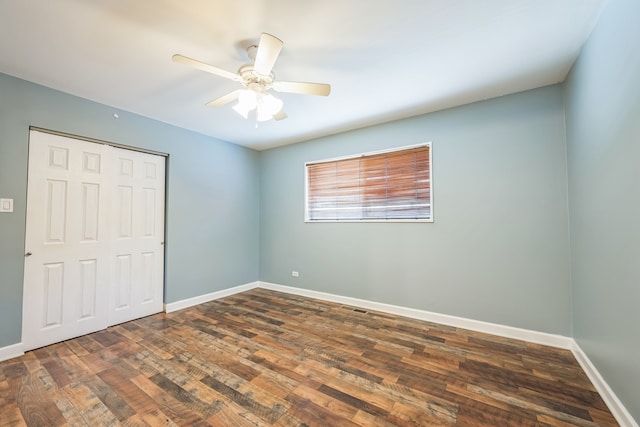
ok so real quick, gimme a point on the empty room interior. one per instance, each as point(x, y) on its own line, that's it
point(184, 240)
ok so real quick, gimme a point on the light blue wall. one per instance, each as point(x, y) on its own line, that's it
point(212, 194)
point(603, 138)
point(498, 250)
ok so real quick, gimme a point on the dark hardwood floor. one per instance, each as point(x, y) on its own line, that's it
point(264, 358)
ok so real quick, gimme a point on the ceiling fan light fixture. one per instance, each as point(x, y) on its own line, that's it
point(268, 106)
point(265, 104)
point(247, 101)
point(257, 79)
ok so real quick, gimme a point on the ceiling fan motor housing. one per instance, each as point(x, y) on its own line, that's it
point(254, 81)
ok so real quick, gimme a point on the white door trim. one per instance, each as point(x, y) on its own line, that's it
point(73, 241)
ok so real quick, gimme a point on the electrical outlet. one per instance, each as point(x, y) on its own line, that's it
point(295, 273)
point(6, 205)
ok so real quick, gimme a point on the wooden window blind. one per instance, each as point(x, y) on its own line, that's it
point(393, 185)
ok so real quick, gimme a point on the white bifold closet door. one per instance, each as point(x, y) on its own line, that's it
point(94, 239)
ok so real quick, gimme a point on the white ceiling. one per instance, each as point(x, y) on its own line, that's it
point(385, 59)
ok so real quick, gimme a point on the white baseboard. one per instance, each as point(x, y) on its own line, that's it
point(614, 404)
point(190, 302)
point(17, 350)
point(11, 351)
point(444, 319)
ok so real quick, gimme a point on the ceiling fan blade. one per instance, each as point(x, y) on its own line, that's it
point(205, 67)
point(224, 99)
point(320, 89)
point(269, 48)
point(280, 115)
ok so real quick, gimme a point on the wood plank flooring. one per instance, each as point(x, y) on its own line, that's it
point(263, 358)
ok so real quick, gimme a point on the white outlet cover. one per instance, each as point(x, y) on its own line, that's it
point(6, 205)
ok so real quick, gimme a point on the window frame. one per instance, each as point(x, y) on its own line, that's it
point(370, 153)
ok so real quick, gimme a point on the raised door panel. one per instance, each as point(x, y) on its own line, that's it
point(55, 211)
point(53, 301)
point(88, 288)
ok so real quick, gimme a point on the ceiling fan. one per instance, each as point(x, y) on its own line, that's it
point(257, 78)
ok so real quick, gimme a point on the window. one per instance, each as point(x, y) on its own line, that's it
point(383, 186)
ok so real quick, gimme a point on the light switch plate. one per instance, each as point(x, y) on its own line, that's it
point(6, 205)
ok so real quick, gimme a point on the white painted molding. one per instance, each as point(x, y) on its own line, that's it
point(614, 404)
point(543, 338)
point(11, 351)
point(190, 302)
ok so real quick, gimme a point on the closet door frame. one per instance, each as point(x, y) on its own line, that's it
point(72, 247)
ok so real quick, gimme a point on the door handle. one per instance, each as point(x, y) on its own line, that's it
point(28, 254)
